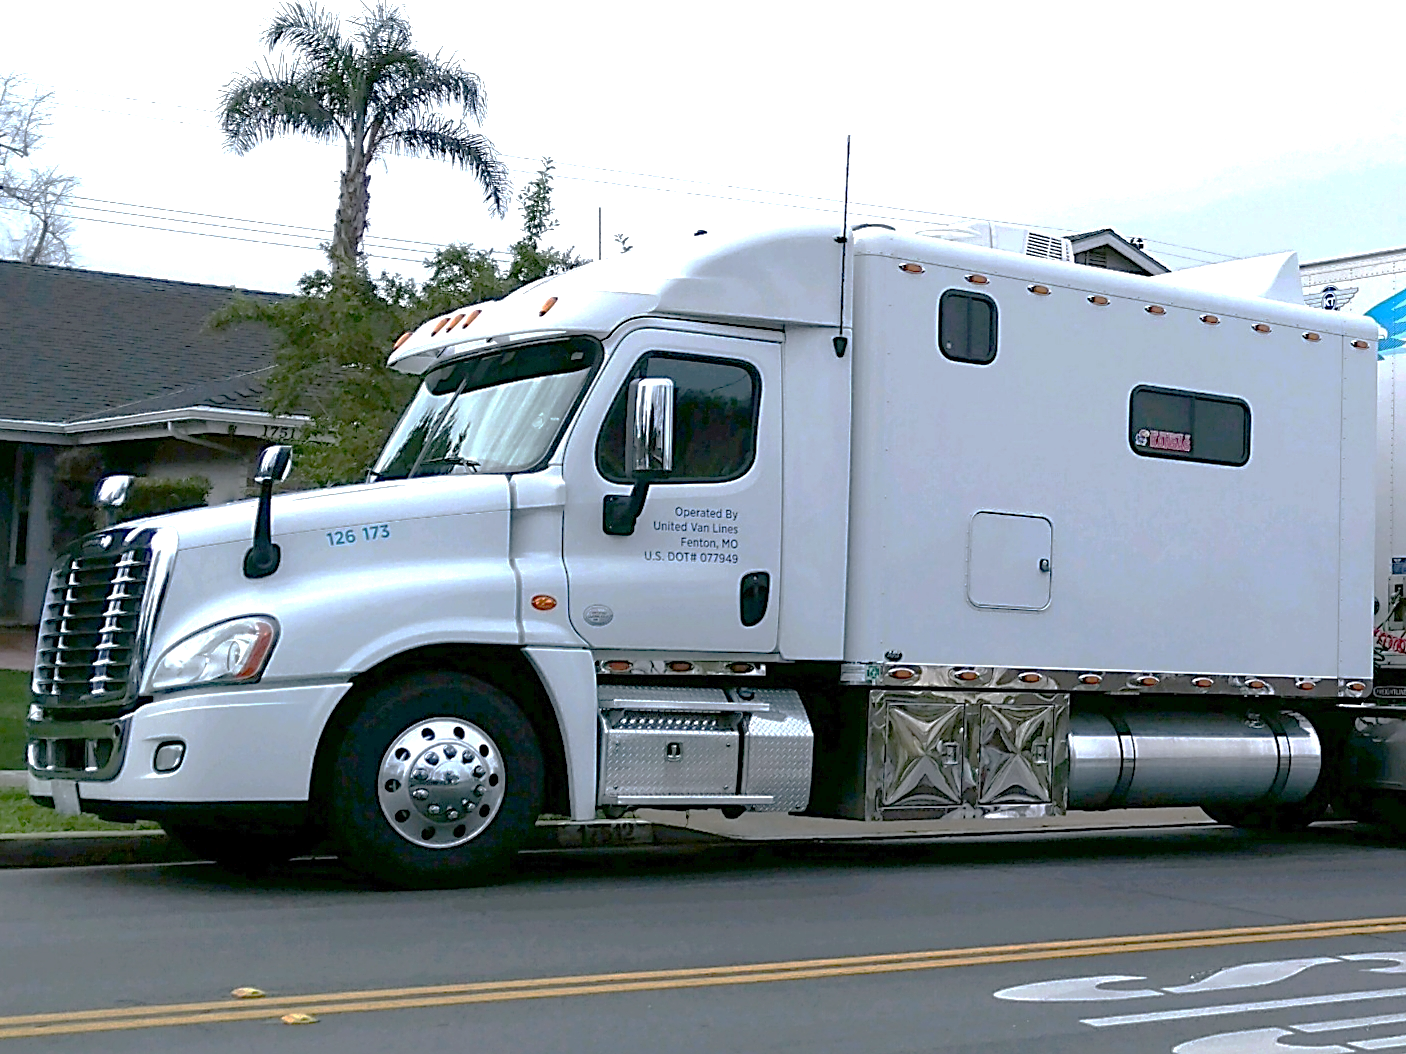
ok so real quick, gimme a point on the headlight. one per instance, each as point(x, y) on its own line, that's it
point(230, 652)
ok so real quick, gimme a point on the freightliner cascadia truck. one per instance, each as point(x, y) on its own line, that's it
point(872, 526)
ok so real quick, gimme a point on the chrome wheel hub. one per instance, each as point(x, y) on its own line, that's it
point(441, 782)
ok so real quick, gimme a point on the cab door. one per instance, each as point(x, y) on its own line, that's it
point(699, 572)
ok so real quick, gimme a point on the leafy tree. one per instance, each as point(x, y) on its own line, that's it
point(375, 93)
point(333, 337)
point(44, 194)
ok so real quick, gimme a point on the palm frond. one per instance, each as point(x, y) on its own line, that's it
point(273, 101)
point(439, 138)
point(309, 29)
point(406, 89)
point(384, 30)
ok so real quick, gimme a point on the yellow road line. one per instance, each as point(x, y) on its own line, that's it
point(123, 1018)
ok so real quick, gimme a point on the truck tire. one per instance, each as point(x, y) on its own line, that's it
point(242, 852)
point(1281, 818)
point(436, 781)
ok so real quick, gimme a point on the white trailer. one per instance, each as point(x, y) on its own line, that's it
point(974, 532)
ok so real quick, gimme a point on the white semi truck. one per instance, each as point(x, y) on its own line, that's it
point(965, 532)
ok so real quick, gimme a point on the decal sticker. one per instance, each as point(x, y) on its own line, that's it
point(598, 615)
point(1155, 439)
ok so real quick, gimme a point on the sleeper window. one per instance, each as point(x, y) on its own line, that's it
point(966, 327)
point(1189, 426)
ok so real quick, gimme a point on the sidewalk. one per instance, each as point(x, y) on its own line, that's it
point(17, 648)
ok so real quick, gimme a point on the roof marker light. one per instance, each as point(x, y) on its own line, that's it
point(1360, 344)
point(977, 279)
point(439, 325)
point(1155, 309)
point(1260, 327)
point(403, 338)
point(911, 268)
point(547, 306)
point(1210, 320)
point(455, 320)
point(1312, 336)
point(1039, 290)
point(472, 315)
point(1099, 299)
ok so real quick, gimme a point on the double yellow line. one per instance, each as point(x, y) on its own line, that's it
point(115, 1019)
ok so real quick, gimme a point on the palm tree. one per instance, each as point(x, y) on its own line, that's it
point(376, 92)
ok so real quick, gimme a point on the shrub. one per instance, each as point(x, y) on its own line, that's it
point(152, 497)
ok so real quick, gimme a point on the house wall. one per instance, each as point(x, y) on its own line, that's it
point(229, 469)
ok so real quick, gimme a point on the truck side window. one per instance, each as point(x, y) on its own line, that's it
point(966, 327)
point(1189, 426)
point(715, 419)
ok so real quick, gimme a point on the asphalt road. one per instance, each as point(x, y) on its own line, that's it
point(855, 948)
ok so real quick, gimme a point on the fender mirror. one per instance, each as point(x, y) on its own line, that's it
point(274, 463)
point(263, 556)
point(649, 450)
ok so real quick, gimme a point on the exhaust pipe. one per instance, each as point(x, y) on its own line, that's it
point(1131, 759)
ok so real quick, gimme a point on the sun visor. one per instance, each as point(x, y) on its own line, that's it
point(1273, 277)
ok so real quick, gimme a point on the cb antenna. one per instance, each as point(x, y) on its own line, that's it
point(841, 341)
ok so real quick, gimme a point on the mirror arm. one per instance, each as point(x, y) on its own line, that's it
point(262, 558)
point(621, 512)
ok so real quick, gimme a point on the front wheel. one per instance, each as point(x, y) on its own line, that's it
point(437, 781)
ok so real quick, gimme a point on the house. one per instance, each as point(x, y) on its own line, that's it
point(125, 365)
point(1108, 249)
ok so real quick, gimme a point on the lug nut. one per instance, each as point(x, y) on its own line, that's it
point(419, 794)
point(433, 810)
point(432, 758)
point(478, 772)
point(420, 775)
point(478, 791)
point(449, 751)
point(453, 814)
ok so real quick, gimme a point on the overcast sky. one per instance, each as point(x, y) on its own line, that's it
point(1210, 129)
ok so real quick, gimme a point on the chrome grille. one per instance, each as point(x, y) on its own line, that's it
point(88, 638)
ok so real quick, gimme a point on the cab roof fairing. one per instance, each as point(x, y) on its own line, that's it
point(776, 277)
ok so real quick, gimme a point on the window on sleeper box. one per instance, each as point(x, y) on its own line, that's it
point(715, 414)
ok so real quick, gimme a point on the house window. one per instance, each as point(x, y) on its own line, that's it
point(24, 484)
point(966, 327)
point(1189, 426)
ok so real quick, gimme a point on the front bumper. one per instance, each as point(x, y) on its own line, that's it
point(241, 746)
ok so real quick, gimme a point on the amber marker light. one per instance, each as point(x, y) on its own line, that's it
point(977, 279)
point(679, 666)
point(439, 326)
point(1260, 327)
point(1202, 682)
point(1210, 320)
point(1039, 290)
point(1155, 309)
point(966, 675)
point(1360, 344)
point(1312, 336)
point(455, 320)
point(403, 338)
point(473, 315)
point(1030, 677)
point(741, 667)
point(542, 602)
point(551, 300)
point(619, 666)
point(1305, 685)
point(1147, 681)
point(1090, 678)
point(1255, 684)
point(1099, 299)
point(1356, 686)
point(911, 268)
point(903, 673)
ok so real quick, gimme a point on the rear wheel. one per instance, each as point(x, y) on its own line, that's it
point(437, 781)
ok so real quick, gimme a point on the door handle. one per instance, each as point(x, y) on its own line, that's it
point(754, 594)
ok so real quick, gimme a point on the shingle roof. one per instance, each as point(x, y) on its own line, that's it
point(78, 345)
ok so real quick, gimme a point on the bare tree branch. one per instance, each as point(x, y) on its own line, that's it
point(43, 194)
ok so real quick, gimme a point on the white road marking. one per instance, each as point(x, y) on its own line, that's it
point(1396, 957)
point(1251, 975)
point(1225, 1009)
point(1075, 990)
point(1381, 1043)
point(1251, 1041)
point(1350, 1022)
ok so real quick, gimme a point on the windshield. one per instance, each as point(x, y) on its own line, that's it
point(499, 412)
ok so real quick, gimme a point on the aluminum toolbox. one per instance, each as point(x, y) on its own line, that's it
point(649, 755)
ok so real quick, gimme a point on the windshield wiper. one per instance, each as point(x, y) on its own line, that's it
point(468, 463)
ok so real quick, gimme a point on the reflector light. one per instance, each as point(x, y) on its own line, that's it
point(679, 666)
point(1360, 344)
point(548, 305)
point(1260, 327)
point(439, 326)
point(1155, 309)
point(977, 279)
point(403, 338)
point(1255, 683)
point(473, 315)
point(1090, 678)
point(1356, 686)
point(542, 602)
point(1099, 299)
point(1147, 681)
point(1210, 320)
point(911, 268)
point(741, 667)
point(1305, 686)
point(1312, 336)
point(1039, 290)
point(1030, 678)
point(619, 665)
point(966, 675)
point(903, 673)
point(1202, 682)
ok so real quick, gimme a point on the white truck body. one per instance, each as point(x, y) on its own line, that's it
point(939, 561)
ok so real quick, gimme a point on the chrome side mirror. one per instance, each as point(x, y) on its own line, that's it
point(274, 464)
point(113, 491)
point(649, 425)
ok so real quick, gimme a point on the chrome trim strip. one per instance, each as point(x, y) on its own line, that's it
point(1119, 682)
point(650, 666)
point(692, 799)
point(90, 734)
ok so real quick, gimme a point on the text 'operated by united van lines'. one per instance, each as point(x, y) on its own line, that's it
point(1294, 987)
point(707, 535)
